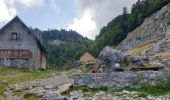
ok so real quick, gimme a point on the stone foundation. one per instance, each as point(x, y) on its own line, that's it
point(122, 79)
point(16, 62)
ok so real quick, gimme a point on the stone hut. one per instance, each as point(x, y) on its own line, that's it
point(87, 57)
point(21, 47)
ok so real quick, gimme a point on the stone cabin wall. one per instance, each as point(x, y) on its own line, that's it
point(24, 42)
point(122, 79)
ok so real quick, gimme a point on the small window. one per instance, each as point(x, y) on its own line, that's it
point(14, 36)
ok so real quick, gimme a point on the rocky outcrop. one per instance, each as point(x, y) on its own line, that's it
point(154, 26)
point(110, 54)
point(151, 39)
point(109, 57)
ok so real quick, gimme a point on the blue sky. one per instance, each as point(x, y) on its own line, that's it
point(85, 16)
point(46, 17)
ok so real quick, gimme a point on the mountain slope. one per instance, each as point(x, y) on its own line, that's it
point(151, 39)
point(154, 26)
point(117, 30)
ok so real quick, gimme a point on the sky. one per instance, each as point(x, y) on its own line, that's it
point(86, 17)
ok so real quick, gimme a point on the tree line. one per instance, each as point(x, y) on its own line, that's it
point(117, 29)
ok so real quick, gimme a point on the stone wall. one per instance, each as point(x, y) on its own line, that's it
point(121, 79)
point(16, 62)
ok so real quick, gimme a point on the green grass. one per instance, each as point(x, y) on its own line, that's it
point(86, 69)
point(28, 96)
point(14, 75)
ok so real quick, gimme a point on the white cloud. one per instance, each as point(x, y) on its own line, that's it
point(101, 11)
point(8, 7)
point(84, 25)
point(31, 2)
point(7, 10)
point(53, 4)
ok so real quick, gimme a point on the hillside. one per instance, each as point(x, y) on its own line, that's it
point(151, 39)
point(64, 47)
point(153, 27)
point(117, 29)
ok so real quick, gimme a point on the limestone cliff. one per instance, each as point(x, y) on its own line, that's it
point(151, 39)
point(155, 26)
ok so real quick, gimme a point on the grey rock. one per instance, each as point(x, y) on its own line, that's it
point(53, 95)
point(76, 95)
point(152, 27)
point(64, 87)
point(37, 91)
point(109, 57)
point(152, 75)
point(20, 87)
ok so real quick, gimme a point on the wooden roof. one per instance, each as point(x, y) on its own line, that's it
point(29, 31)
point(87, 57)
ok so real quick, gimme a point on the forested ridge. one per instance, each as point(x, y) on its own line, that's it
point(66, 53)
point(117, 29)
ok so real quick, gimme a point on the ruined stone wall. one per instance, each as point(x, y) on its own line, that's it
point(122, 79)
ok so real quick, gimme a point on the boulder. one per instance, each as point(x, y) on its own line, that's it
point(76, 95)
point(37, 91)
point(109, 57)
point(110, 54)
point(53, 95)
point(64, 87)
point(20, 87)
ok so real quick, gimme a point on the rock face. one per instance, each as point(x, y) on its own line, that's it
point(122, 79)
point(109, 57)
point(154, 26)
point(151, 39)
